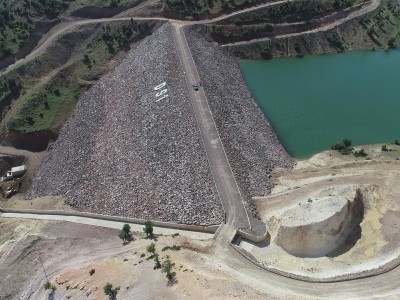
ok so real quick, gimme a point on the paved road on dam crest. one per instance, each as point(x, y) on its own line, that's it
point(226, 185)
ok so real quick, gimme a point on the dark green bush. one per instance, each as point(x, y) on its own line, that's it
point(360, 153)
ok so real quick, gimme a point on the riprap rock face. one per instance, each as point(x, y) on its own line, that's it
point(133, 147)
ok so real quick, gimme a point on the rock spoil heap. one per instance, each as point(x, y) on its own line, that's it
point(250, 142)
point(129, 150)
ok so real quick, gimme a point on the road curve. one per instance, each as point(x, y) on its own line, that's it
point(375, 287)
point(63, 28)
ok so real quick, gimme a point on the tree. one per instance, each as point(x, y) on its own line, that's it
point(109, 291)
point(148, 229)
point(371, 31)
point(166, 267)
point(125, 233)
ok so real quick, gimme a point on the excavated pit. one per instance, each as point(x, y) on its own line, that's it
point(328, 227)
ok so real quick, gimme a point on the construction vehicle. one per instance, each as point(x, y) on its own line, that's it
point(12, 188)
point(14, 173)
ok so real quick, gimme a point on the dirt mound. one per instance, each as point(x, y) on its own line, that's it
point(329, 227)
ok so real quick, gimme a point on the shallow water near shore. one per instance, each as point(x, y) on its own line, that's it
point(316, 101)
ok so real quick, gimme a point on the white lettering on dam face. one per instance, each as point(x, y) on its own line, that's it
point(162, 92)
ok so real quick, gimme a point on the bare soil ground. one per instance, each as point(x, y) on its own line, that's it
point(330, 174)
point(89, 247)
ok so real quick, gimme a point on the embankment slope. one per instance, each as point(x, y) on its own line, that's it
point(252, 147)
point(127, 151)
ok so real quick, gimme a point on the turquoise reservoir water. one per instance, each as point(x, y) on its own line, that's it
point(317, 101)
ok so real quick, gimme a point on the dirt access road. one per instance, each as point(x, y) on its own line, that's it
point(227, 260)
point(364, 10)
point(66, 27)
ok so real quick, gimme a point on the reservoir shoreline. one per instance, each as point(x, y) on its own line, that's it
point(317, 101)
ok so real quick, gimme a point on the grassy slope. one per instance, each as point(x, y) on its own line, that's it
point(200, 9)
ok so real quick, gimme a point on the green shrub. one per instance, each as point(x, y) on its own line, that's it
point(166, 267)
point(339, 146)
point(343, 147)
point(360, 153)
point(266, 53)
point(173, 248)
point(109, 291)
point(148, 229)
point(47, 285)
point(391, 43)
point(91, 272)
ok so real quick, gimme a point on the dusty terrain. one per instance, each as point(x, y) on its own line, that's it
point(329, 180)
point(199, 276)
point(218, 271)
point(131, 159)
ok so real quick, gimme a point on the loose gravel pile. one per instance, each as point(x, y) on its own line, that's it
point(250, 142)
point(128, 152)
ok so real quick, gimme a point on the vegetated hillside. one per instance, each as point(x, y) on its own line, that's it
point(19, 19)
point(286, 18)
point(43, 92)
point(23, 22)
point(291, 11)
point(202, 9)
point(376, 30)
